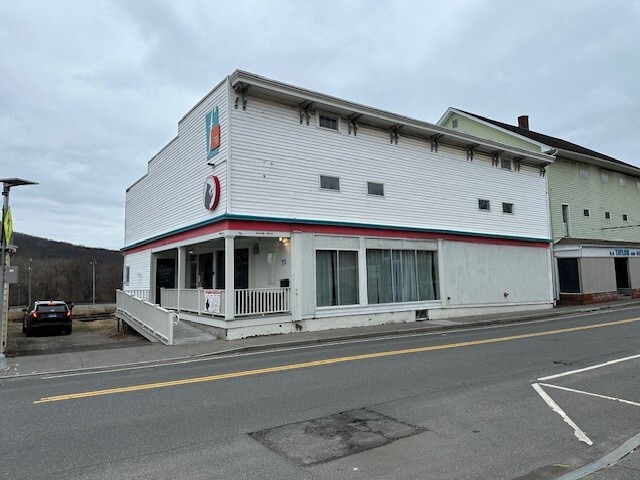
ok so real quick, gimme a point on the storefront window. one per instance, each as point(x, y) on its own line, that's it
point(336, 278)
point(401, 276)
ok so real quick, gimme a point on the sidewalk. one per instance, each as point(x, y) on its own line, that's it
point(154, 353)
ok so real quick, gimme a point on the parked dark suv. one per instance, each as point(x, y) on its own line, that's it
point(47, 314)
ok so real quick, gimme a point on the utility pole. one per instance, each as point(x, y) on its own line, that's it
point(5, 238)
point(93, 265)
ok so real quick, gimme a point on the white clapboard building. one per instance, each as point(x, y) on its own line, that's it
point(277, 209)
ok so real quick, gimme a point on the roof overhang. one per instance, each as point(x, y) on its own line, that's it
point(595, 161)
point(245, 83)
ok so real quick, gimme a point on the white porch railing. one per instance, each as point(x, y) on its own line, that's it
point(191, 300)
point(147, 318)
point(258, 301)
point(141, 294)
point(251, 301)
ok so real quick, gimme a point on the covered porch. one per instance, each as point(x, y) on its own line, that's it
point(192, 278)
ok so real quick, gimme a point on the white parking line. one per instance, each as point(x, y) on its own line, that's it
point(590, 394)
point(556, 408)
point(593, 367)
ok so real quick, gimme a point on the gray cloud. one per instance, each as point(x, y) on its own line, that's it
point(92, 90)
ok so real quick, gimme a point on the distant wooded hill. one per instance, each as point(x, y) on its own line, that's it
point(61, 271)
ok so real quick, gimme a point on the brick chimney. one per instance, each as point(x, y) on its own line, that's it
point(523, 121)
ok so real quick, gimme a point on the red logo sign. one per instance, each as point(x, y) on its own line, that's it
point(211, 192)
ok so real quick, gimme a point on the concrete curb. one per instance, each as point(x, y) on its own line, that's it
point(608, 460)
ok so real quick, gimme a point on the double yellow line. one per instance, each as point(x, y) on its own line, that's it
point(319, 363)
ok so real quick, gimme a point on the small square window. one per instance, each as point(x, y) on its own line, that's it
point(625, 218)
point(375, 188)
point(506, 164)
point(327, 121)
point(507, 208)
point(621, 181)
point(454, 123)
point(329, 183)
point(483, 204)
point(607, 215)
point(584, 173)
point(604, 177)
point(586, 212)
point(638, 185)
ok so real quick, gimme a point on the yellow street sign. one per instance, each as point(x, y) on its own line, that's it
point(8, 226)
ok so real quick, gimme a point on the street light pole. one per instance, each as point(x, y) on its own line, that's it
point(7, 183)
point(93, 265)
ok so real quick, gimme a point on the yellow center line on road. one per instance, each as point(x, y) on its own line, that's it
point(319, 363)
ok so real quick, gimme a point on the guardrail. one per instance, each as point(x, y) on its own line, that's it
point(149, 319)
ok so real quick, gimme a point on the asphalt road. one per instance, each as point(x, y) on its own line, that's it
point(459, 405)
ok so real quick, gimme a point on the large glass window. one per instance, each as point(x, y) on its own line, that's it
point(401, 276)
point(336, 278)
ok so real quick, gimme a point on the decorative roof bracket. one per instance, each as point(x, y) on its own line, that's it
point(517, 163)
point(353, 123)
point(543, 170)
point(241, 93)
point(393, 133)
point(305, 109)
point(495, 158)
point(435, 141)
point(471, 151)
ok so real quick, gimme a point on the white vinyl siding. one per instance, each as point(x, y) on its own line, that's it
point(275, 163)
point(139, 266)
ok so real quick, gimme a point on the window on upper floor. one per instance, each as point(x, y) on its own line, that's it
point(484, 204)
point(604, 177)
point(638, 185)
point(506, 164)
point(328, 121)
point(127, 274)
point(621, 181)
point(374, 188)
point(329, 183)
point(454, 123)
point(584, 173)
point(507, 207)
point(625, 218)
point(586, 212)
point(607, 215)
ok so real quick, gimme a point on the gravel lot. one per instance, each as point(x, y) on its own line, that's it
point(90, 335)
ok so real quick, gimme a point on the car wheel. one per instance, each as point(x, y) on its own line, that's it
point(67, 330)
point(28, 331)
point(24, 328)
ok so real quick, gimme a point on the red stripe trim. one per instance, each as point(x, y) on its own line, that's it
point(330, 230)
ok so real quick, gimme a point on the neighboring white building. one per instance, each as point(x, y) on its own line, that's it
point(332, 214)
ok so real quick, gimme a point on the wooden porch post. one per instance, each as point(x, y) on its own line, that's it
point(182, 256)
point(229, 278)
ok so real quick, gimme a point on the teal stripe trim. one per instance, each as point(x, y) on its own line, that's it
point(229, 216)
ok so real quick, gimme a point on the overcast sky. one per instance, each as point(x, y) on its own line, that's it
point(91, 90)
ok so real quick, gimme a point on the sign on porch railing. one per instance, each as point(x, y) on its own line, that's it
point(212, 300)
